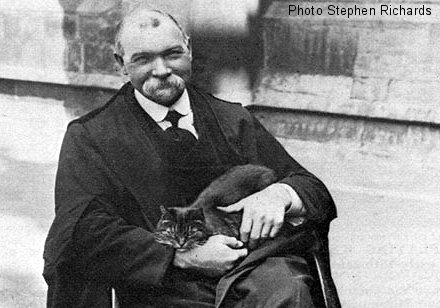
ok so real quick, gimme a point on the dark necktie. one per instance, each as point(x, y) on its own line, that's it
point(181, 137)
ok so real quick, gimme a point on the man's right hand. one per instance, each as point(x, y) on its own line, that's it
point(217, 256)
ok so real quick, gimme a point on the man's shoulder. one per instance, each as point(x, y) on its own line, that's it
point(211, 97)
point(220, 105)
point(104, 114)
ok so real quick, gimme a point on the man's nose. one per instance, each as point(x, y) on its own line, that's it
point(160, 68)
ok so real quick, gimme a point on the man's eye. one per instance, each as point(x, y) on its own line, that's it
point(173, 55)
point(140, 60)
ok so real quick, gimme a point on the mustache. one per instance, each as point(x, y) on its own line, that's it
point(170, 81)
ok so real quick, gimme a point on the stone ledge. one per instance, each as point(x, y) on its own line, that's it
point(376, 98)
point(356, 131)
point(339, 165)
point(61, 77)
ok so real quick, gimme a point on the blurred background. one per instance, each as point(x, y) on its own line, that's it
point(353, 100)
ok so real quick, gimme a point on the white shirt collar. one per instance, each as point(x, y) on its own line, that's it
point(159, 112)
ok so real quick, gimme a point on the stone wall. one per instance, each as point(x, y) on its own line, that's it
point(371, 66)
point(70, 42)
point(367, 69)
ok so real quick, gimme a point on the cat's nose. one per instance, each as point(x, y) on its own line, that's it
point(181, 241)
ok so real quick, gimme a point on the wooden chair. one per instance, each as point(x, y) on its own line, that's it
point(325, 293)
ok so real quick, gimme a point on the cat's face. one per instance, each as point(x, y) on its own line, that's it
point(182, 228)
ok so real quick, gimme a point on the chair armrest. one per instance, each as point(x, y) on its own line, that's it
point(321, 260)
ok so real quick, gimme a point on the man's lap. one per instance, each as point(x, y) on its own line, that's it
point(275, 282)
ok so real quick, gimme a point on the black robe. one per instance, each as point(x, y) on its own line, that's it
point(110, 169)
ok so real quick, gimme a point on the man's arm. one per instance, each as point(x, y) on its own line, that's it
point(314, 195)
point(265, 211)
point(88, 231)
point(110, 250)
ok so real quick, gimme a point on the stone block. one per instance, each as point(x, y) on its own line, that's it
point(309, 47)
point(54, 44)
point(32, 39)
point(98, 58)
point(433, 49)
point(70, 26)
point(2, 27)
point(419, 97)
point(296, 91)
point(12, 26)
point(387, 39)
point(97, 7)
point(73, 56)
point(70, 6)
point(392, 52)
point(370, 89)
point(97, 29)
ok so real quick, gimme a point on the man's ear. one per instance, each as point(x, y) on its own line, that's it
point(120, 61)
point(189, 46)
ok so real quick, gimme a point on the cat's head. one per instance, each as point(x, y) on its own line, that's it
point(182, 228)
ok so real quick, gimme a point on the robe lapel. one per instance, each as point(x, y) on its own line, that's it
point(133, 158)
point(233, 124)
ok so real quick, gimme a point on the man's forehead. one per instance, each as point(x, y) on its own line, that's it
point(146, 22)
point(150, 31)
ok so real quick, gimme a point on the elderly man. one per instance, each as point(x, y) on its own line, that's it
point(121, 162)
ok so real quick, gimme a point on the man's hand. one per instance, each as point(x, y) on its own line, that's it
point(263, 213)
point(217, 256)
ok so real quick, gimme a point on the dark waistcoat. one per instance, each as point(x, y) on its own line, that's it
point(184, 177)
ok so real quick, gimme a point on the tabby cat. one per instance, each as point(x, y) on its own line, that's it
point(187, 227)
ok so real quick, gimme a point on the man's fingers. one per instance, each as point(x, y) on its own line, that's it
point(275, 229)
point(255, 234)
point(241, 253)
point(232, 242)
point(266, 231)
point(236, 207)
point(257, 226)
point(245, 228)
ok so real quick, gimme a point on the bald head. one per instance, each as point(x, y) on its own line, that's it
point(146, 20)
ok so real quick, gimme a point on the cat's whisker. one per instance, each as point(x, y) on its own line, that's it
point(200, 243)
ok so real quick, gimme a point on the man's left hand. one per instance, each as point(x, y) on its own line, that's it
point(263, 213)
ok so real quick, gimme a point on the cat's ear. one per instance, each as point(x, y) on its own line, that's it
point(164, 210)
point(198, 214)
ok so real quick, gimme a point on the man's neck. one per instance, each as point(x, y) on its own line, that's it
point(159, 111)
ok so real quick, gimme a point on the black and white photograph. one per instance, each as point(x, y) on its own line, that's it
point(220, 154)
